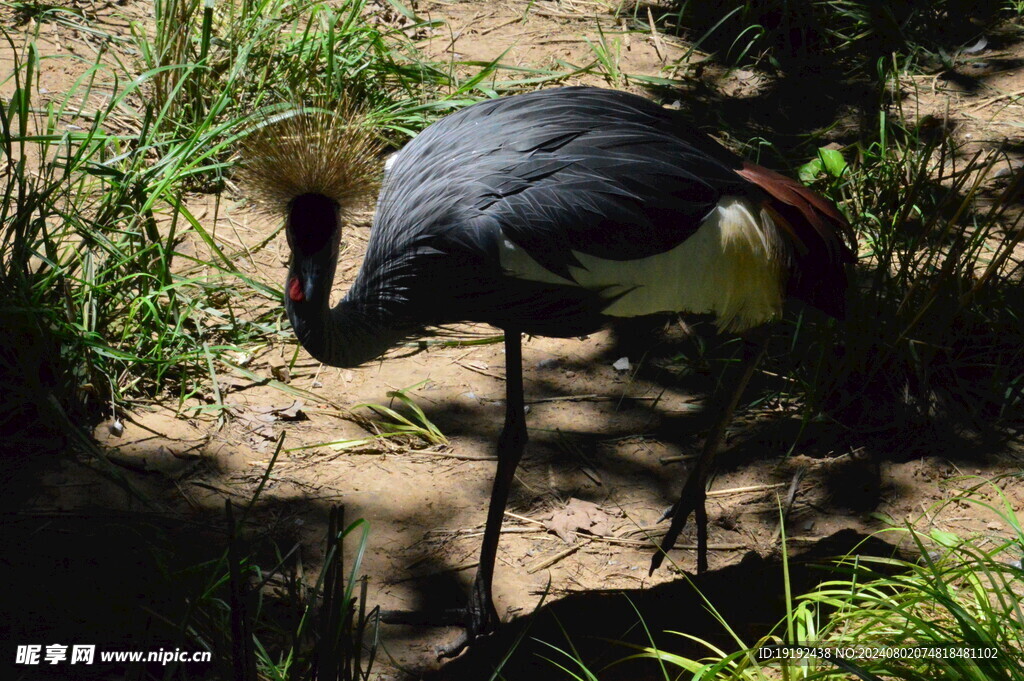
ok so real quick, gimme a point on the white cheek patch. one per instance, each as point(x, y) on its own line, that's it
point(731, 266)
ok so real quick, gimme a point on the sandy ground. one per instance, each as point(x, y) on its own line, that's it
point(616, 439)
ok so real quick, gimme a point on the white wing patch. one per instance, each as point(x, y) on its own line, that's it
point(732, 266)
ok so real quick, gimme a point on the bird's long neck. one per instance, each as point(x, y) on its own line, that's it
point(354, 331)
point(346, 335)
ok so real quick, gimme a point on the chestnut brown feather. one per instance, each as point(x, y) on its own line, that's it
point(818, 212)
point(823, 241)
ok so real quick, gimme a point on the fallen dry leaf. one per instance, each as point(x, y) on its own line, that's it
point(579, 516)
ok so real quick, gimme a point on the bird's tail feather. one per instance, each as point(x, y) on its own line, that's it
point(823, 241)
point(818, 213)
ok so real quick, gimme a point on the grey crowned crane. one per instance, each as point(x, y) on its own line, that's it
point(550, 213)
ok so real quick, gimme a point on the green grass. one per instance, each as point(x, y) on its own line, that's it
point(406, 424)
point(233, 58)
point(273, 622)
point(608, 54)
point(336, 634)
point(101, 300)
point(934, 331)
point(412, 423)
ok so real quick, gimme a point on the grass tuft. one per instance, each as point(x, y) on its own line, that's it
point(934, 332)
point(113, 285)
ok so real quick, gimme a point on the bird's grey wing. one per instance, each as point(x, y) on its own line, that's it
point(618, 194)
point(555, 173)
point(574, 169)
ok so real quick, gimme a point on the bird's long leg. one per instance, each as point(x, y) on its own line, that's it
point(482, 618)
point(692, 498)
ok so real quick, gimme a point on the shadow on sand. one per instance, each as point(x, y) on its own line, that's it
point(597, 627)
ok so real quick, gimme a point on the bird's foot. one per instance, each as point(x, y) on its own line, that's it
point(481, 619)
point(477, 621)
point(690, 501)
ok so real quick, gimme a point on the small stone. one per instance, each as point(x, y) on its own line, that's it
point(1007, 170)
point(621, 364)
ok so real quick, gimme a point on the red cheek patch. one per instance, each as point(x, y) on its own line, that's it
point(295, 290)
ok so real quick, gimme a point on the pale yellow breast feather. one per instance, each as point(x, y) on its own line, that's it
point(732, 266)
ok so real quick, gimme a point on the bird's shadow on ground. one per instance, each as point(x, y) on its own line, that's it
point(595, 629)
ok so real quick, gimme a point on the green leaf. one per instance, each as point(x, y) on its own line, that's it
point(947, 539)
point(810, 171)
point(833, 161)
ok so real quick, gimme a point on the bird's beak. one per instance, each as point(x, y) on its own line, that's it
point(310, 276)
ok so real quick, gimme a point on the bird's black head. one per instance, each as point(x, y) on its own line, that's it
point(313, 230)
point(312, 223)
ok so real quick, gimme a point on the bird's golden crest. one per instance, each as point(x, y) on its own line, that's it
point(311, 151)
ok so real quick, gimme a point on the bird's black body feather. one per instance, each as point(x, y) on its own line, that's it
point(557, 172)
